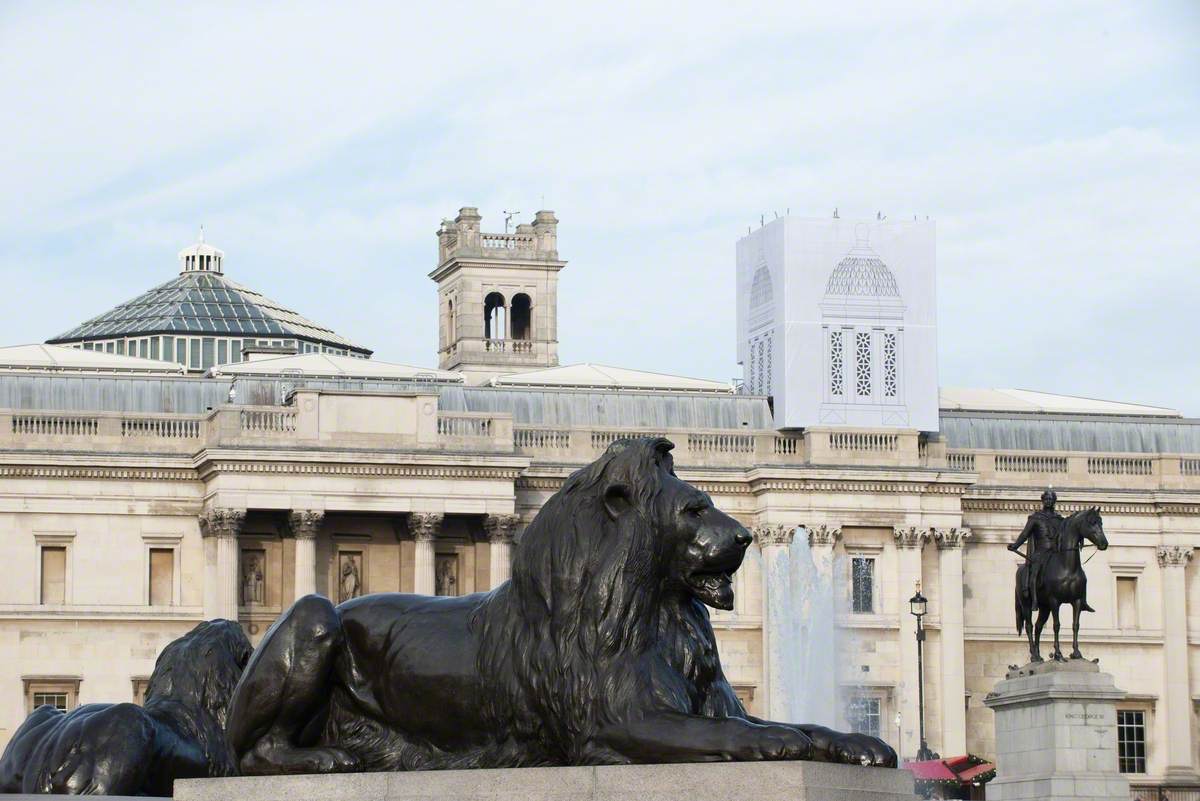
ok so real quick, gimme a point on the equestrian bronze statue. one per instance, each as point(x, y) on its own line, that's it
point(598, 651)
point(1053, 571)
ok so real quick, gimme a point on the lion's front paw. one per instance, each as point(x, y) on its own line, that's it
point(862, 749)
point(781, 742)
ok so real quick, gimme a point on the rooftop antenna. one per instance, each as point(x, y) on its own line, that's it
point(835, 214)
point(508, 215)
point(200, 239)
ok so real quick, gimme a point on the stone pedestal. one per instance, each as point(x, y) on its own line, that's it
point(730, 781)
point(1056, 734)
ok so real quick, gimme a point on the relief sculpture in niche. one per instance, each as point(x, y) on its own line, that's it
point(253, 577)
point(446, 575)
point(349, 575)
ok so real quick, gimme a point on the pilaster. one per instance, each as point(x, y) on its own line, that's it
point(909, 540)
point(220, 526)
point(773, 542)
point(425, 527)
point(950, 543)
point(304, 525)
point(1177, 702)
point(500, 530)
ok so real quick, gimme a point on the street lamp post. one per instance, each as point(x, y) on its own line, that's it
point(917, 606)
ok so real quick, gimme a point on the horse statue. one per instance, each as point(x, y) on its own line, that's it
point(1062, 581)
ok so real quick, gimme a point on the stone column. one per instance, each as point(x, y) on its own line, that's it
point(950, 542)
point(819, 643)
point(500, 530)
point(220, 528)
point(1176, 701)
point(909, 542)
point(773, 542)
point(304, 524)
point(424, 527)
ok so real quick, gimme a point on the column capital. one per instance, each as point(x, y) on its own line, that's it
point(773, 534)
point(305, 523)
point(1174, 555)
point(500, 528)
point(220, 521)
point(824, 534)
point(425, 525)
point(951, 537)
point(910, 536)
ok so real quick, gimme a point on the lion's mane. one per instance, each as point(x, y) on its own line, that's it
point(584, 596)
point(124, 749)
point(192, 684)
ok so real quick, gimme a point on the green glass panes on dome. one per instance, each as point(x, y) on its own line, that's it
point(202, 302)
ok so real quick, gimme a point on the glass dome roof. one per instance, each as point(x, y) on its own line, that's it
point(203, 302)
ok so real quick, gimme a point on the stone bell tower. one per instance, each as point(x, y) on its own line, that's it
point(497, 296)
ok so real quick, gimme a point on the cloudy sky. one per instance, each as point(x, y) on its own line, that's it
point(1055, 144)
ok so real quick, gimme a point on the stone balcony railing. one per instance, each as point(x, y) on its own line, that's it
point(1102, 470)
point(327, 419)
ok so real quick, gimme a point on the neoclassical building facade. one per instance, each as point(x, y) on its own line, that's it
point(136, 501)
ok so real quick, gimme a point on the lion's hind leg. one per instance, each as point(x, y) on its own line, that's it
point(285, 690)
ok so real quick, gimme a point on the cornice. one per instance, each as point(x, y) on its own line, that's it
point(1149, 507)
point(759, 485)
point(98, 471)
point(381, 470)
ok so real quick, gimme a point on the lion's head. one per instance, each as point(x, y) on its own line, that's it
point(627, 523)
point(200, 669)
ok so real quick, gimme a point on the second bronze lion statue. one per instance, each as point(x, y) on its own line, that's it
point(597, 651)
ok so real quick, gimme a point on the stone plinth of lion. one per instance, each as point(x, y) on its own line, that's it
point(126, 749)
point(599, 650)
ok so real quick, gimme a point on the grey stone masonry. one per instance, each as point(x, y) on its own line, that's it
point(1056, 734)
point(734, 781)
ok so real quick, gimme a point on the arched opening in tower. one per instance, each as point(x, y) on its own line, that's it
point(493, 316)
point(522, 317)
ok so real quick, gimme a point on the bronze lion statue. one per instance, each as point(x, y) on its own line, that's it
point(126, 749)
point(598, 651)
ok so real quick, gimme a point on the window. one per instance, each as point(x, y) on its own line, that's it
point(142, 352)
point(181, 351)
point(235, 351)
point(837, 385)
point(222, 352)
point(194, 355)
point(121, 347)
point(1131, 741)
point(60, 692)
point(862, 584)
point(1127, 608)
point(154, 348)
point(54, 574)
point(863, 715)
point(207, 350)
point(162, 576)
point(862, 364)
point(745, 694)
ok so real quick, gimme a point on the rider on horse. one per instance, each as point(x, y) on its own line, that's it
point(1043, 531)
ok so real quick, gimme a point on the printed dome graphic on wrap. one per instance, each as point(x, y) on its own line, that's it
point(861, 272)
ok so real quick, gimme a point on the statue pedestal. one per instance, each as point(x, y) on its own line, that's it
point(728, 781)
point(1056, 734)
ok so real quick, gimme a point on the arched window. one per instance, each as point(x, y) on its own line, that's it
point(493, 316)
point(450, 321)
point(522, 317)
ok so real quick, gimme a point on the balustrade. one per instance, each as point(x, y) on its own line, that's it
point(863, 441)
point(456, 425)
point(1119, 466)
point(268, 421)
point(55, 425)
point(1029, 463)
